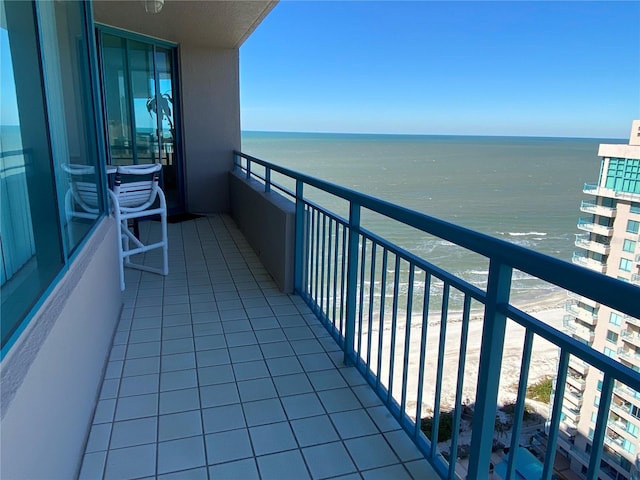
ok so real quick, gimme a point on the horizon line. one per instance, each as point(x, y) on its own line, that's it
point(431, 134)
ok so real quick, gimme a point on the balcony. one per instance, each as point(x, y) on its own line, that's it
point(635, 279)
point(632, 337)
point(591, 189)
point(579, 366)
point(619, 426)
point(591, 207)
point(629, 356)
point(583, 241)
point(581, 259)
point(571, 412)
point(213, 367)
point(574, 397)
point(583, 299)
point(594, 189)
point(623, 408)
point(632, 320)
point(626, 393)
point(367, 292)
point(587, 316)
point(587, 225)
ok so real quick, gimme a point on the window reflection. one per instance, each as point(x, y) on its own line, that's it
point(50, 196)
point(66, 70)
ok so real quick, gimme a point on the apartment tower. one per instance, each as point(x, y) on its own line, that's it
point(609, 243)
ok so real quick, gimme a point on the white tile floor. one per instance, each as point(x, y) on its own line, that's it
point(215, 374)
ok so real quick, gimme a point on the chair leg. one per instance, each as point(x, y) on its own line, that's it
point(120, 255)
point(165, 244)
point(125, 241)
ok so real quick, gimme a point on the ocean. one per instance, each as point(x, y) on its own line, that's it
point(526, 190)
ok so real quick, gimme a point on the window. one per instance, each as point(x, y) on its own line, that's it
point(623, 175)
point(629, 246)
point(594, 417)
point(626, 264)
point(635, 207)
point(633, 226)
point(42, 136)
point(609, 353)
point(615, 319)
point(596, 401)
point(628, 446)
point(632, 429)
point(612, 336)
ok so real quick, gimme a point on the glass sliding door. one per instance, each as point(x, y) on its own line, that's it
point(139, 83)
point(164, 110)
point(115, 81)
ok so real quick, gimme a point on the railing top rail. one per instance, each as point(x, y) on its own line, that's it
point(618, 295)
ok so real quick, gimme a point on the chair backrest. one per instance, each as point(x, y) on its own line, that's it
point(137, 195)
point(84, 193)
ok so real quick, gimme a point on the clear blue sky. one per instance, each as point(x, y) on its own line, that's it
point(486, 68)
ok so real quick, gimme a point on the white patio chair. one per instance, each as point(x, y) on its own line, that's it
point(136, 200)
point(81, 199)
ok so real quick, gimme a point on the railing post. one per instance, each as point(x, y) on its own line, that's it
point(267, 180)
point(491, 349)
point(352, 282)
point(248, 169)
point(299, 239)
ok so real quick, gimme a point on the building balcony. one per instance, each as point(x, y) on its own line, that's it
point(212, 367)
point(619, 426)
point(574, 397)
point(576, 381)
point(621, 407)
point(635, 279)
point(629, 356)
point(613, 440)
point(632, 320)
point(594, 189)
point(587, 316)
point(578, 330)
point(578, 365)
point(581, 259)
point(587, 225)
point(591, 189)
point(630, 336)
point(628, 394)
point(582, 299)
point(571, 412)
point(583, 241)
point(591, 207)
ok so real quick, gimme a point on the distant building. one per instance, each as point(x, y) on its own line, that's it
point(608, 243)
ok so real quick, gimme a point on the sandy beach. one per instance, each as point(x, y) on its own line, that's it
point(543, 364)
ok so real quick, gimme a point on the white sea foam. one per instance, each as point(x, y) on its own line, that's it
point(526, 234)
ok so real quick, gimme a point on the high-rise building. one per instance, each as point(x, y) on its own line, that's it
point(609, 243)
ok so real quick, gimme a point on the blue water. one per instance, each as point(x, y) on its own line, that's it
point(522, 189)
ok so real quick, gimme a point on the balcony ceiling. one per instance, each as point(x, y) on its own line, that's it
point(217, 24)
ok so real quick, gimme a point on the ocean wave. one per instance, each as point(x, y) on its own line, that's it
point(527, 234)
point(478, 272)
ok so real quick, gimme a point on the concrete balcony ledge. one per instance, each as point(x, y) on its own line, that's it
point(214, 373)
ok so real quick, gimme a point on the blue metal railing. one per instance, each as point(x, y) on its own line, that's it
point(375, 297)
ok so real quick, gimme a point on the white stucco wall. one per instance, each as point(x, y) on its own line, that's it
point(51, 377)
point(210, 124)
